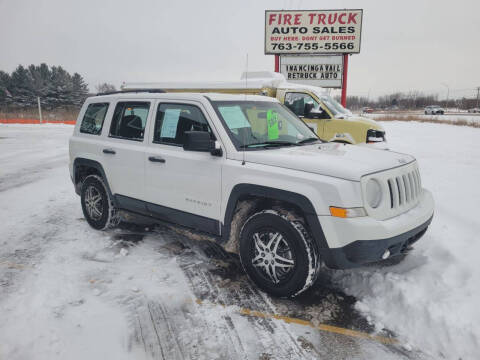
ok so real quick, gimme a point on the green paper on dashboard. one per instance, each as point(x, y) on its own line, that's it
point(272, 125)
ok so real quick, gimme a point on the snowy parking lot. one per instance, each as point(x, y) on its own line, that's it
point(142, 292)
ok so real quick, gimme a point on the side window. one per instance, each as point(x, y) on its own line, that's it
point(92, 121)
point(296, 102)
point(129, 120)
point(173, 120)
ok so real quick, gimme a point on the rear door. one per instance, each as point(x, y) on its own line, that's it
point(182, 186)
point(124, 148)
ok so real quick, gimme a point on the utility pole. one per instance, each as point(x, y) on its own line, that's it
point(448, 94)
point(39, 109)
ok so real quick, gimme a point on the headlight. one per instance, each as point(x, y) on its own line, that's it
point(374, 193)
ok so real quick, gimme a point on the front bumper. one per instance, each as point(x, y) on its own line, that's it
point(357, 241)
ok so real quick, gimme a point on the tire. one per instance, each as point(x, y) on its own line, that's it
point(426, 113)
point(269, 236)
point(97, 206)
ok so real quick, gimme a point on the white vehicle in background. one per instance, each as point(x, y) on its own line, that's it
point(434, 110)
point(250, 173)
point(474, 110)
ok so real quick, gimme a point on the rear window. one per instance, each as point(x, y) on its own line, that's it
point(92, 121)
point(129, 120)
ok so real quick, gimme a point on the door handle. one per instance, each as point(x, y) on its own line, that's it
point(156, 159)
point(109, 151)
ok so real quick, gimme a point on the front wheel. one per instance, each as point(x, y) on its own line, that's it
point(97, 206)
point(278, 254)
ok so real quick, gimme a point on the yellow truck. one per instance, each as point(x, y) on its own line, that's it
point(328, 118)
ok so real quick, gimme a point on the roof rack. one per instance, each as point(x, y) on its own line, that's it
point(132, 91)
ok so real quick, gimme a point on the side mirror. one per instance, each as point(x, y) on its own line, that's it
point(316, 113)
point(201, 141)
point(308, 109)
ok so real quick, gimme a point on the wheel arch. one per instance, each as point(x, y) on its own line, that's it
point(83, 167)
point(259, 193)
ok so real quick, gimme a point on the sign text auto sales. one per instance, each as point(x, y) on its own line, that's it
point(312, 32)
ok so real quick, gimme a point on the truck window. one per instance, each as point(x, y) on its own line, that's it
point(296, 102)
point(129, 119)
point(92, 121)
point(173, 120)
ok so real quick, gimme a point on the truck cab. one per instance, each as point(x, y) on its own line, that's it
point(328, 118)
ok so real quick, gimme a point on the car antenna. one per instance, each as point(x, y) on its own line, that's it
point(244, 131)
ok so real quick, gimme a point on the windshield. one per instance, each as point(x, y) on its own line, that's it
point(260, 124)
point(335, 107)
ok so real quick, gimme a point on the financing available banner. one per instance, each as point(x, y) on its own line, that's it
point(325, 71)
point(313, 31)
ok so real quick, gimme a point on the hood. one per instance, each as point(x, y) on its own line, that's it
point(349, 162)
point(372, 124)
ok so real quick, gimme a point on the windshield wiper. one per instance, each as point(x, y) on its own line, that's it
point(270, 144)
point(307, 140)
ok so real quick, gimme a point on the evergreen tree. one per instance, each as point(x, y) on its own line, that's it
point(80, 89)
point(54, 85)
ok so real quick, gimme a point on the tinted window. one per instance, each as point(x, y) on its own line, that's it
point(129, 120)
point(173, 120)
point(92, 121)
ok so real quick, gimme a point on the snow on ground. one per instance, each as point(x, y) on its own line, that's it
point(70, 292)
point(67, 291)
point(432, 298)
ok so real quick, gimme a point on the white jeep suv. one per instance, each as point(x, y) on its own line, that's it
point(247, 171)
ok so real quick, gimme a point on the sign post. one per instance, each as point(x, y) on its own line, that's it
point(344, 80)
point(314, 32)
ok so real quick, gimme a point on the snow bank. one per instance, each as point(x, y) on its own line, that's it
point(470, 118)
point(431, 299)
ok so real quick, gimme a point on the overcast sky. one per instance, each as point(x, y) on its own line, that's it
point(405, 44)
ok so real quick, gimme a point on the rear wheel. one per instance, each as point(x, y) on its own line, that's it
point(97, 206)
point(278, 253)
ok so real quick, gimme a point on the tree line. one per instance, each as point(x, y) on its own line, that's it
point(55, 86)
point(411, 100)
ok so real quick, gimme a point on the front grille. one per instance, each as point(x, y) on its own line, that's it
point(401, 191)
point(404, 189)
point(375, 136)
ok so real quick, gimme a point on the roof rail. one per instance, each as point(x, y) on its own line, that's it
point(131, 91)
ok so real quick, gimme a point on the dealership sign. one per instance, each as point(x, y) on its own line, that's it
point(324, 71)
point(313, 31)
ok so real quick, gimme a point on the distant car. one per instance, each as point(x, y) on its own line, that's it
point(367, 110)
point(474, 110)
point(434, 110)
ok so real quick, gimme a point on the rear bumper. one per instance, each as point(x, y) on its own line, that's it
point(356, 241)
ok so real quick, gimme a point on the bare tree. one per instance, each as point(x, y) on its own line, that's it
point(105, 87)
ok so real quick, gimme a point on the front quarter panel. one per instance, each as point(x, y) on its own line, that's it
point(321, 191)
